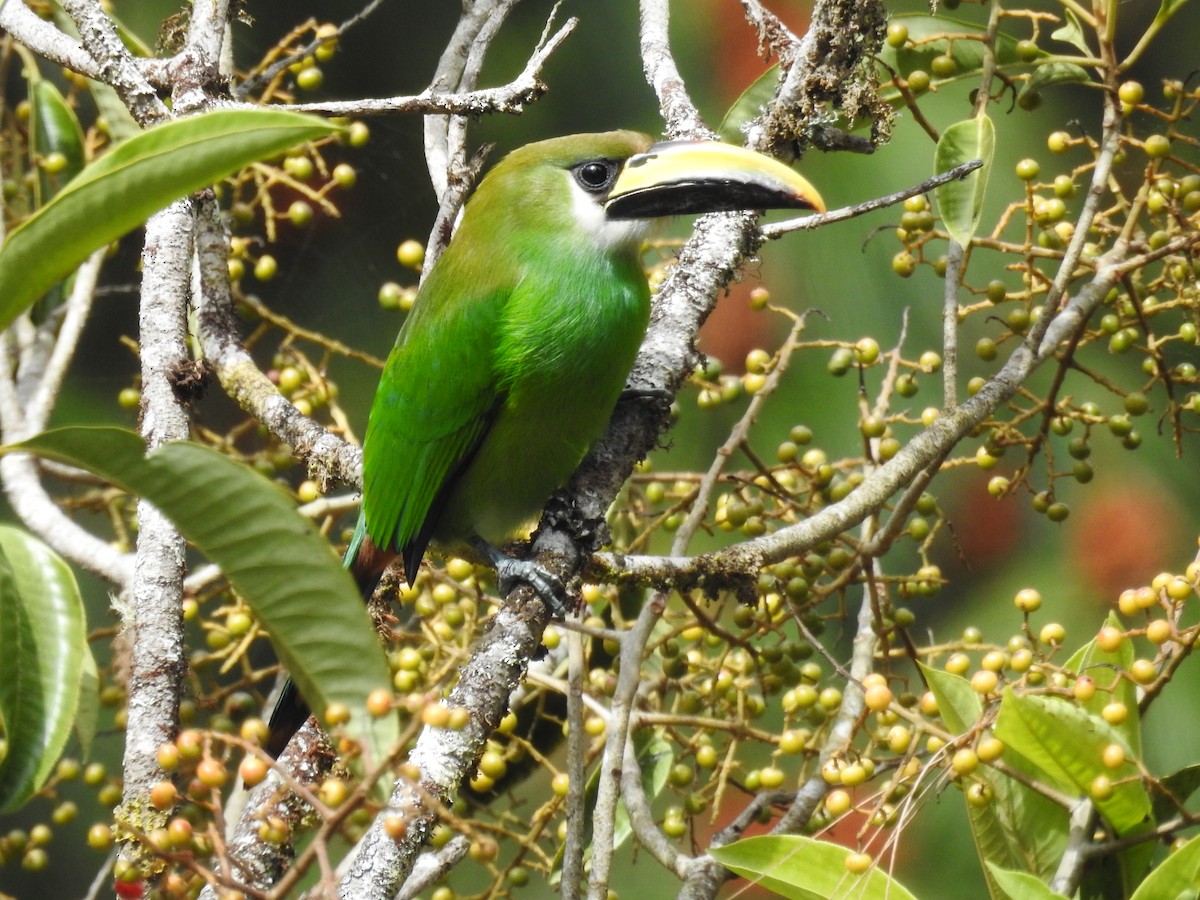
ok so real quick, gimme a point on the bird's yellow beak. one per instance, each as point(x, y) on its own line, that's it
point(681, 177)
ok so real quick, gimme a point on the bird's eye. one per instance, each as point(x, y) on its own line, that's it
point(596, 176)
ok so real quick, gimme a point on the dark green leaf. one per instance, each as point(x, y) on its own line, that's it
point(802, 868)
point(274, 558)
point(43, 644)
point(1178, 788)
point(123, 188)
point(960, 202)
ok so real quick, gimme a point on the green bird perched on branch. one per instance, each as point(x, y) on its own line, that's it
point(519, 343)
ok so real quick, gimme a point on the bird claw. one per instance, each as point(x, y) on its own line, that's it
point(510, 571)
point(545, 584)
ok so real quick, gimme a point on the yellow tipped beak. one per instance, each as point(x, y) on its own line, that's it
point(681, 177)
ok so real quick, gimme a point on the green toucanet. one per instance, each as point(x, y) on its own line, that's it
point(520, 340)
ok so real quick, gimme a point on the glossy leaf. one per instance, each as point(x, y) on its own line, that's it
point(960, 202)
point(127, 185)
point(1177, 877)
point(53, 129)
point(1066, 742)
point(802, 868)
point(274, 558)
point(43, 646)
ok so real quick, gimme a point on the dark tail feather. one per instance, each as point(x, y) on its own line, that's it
point(366, 563)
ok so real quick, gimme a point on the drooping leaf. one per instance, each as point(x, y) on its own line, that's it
point(1066, 743)
point(1176, 878)
point(127, 185)
point(43, 644)
point(960, 202)
point(1022, 885)
point(1048, 74)
point(802, 868)
point(274, 558)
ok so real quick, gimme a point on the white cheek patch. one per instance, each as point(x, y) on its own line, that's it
point(607, 234)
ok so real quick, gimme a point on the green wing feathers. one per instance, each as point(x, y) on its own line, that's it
point(431, 410)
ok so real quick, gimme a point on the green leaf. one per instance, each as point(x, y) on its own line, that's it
point(1072, 33)
point(655, 757)
point(127, 185)
point(1166, 9)
point(1020, 827)
point(53, 129)
point(1105, 668)
point(748, 106)
point(274, 558)
point(958, 703)
point(1065, 742)
point(961, 202)
point(43, 643)
point(805, 869)
point(88, 713)
point(1177, 789)
point(1022, 885)
point(1176, 878)
point(121, 123)
point(1048, 74)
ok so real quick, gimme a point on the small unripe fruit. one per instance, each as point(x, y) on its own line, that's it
point(411, 254)
point(1143, 671)
point(858, 863)
point(1131, 93)
point(1113, 756)
point(252, 771)
point(897, 34)
point(211, 772)
point(1028, 600)
point(1157, 146)
point(964, 761)
point(1028, 169)
point(837, 802)
point(1114, 713)
point(1101, 788)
